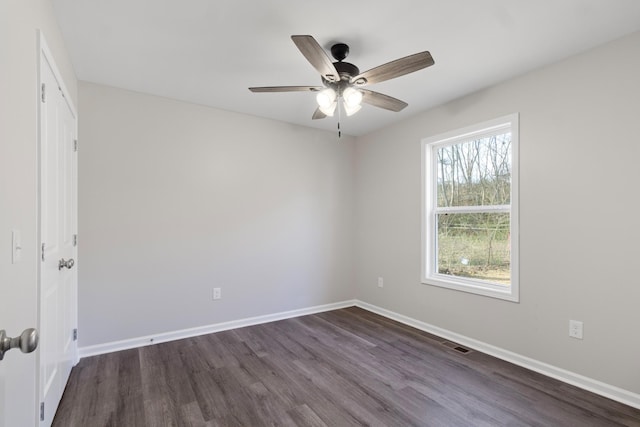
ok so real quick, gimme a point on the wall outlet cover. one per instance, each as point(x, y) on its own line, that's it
point(575, 329)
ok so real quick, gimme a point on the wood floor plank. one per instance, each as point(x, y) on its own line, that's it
point(209, 396)
point(352, 358)
point(165, 387)
point(191, 416)
point(78, 390)
point(130, 406)
point(346, 367)
point(218, 353)
point(304, 416)
point(361, 402)
point(274, 379)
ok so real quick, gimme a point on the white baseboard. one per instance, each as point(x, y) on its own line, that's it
point(109, 347)
point(589, 384)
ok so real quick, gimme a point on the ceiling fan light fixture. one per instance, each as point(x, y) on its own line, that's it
point(326, 98)
point(342, 80)
point(329, 110)
point(352, 97)
point(351, 110)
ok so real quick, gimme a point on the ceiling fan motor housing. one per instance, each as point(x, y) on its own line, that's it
point(346, 71)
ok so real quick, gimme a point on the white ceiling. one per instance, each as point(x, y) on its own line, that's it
point(210, 51)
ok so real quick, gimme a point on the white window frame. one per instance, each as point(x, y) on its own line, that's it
point(429, 205)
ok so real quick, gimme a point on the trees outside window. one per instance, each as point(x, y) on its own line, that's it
point(470, 215)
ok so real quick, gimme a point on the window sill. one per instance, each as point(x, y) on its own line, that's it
point(474, 287)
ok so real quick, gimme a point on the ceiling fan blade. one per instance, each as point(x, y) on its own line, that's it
point(381, 100)
point(286, 89)
point(317, 57)
point(394, 69)
point(318, 114)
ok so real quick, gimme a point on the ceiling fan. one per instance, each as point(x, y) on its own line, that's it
point(344, 81)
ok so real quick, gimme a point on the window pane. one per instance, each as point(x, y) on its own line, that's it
point(475, 173)
point(475, 245)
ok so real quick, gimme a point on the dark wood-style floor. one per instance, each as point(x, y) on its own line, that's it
point(347, 367)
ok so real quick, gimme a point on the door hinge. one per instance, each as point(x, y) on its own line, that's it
point(75, 334)
point(41, 411)
point(75, 240)
point(42, 92)
point(42, 254)
point(75, 145)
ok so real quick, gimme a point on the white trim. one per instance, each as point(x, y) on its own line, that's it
point(143, 341)
point(598, 387)
point(473, 209)
point(469, 133)
point(44, 49)
point(612, 392)
point(429, 250)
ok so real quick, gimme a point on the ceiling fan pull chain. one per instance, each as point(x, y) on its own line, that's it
point(339, 117)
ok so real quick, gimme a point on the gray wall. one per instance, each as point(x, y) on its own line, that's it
point(579, 150)
point(176, 199)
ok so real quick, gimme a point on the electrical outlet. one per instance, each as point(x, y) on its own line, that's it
point(217, 293)
point(380, 282)
point(575, 329)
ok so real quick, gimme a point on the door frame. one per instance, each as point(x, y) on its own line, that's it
point(46, 59)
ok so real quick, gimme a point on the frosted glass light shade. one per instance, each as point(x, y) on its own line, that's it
point(328, 111)
point(352, 97)
point(325, 98)
point(351, 110)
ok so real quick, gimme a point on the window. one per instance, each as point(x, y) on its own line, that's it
point(470, 219)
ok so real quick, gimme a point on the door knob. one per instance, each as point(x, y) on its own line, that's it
point(68, 263)
point(26, 342)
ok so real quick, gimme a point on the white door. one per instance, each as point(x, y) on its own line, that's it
point(50, 304)
point(58, 270)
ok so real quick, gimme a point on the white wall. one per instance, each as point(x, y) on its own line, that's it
point(579, 136)
point(19, 20)
point(176, 199)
